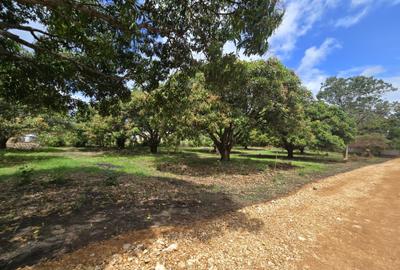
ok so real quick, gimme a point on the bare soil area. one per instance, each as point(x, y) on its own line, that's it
point(348, 221)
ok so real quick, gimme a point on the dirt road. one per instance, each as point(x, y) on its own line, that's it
point(349, 221)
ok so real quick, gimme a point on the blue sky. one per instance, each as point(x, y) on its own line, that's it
point(322, 38)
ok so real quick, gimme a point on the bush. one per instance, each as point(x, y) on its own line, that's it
point(370, 144)
point(198, 141)
point(111, 179)
point(25, 173)
point(52, 140)
point(257, 138)
point(77, 138)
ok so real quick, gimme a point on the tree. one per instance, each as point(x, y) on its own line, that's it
point(98, 130)
point(14, 119)
point(239, 97)
point(360, 97)
point(373, 143)
point(284, 115)
point(161, 113)
point(230, 101)
point(332, 127)
point(96, 47)
point(393, 125)
point(11, 121)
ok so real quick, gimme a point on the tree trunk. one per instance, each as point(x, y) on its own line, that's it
point(120, 141)
point(225, 153)
point(154, 147)
point(246, 147)
point(3, 143)
point(346, 153)
point(224, 142)
point(289, 152)
point(302, 150)
point(214, 150)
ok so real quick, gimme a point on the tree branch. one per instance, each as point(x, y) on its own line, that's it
point(80, 66)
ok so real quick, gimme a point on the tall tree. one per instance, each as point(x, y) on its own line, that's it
point(284, 116)
point(223, 82)
point(361, 97)
point(238, 94)
point(96, 47)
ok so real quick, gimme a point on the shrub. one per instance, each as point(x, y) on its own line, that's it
point(369, 144)
point(111, 179)
point(25, 173)
point(52, 140)
point(78, 138)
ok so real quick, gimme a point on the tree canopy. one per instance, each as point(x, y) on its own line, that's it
point(333, 128)
point(361, 97)
point(284, 116)
point(95, 47)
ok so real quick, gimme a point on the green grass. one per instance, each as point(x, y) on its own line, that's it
point(63, 160)
point(285, 175)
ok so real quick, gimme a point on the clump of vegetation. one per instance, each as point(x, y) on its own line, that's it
point(58, 180)
point(25, 175)
point(111, 180)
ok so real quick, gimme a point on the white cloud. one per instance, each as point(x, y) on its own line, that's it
point(356, 3)
point(299, 18)
point(364, 7)
point(314, 55)
point(351, 19)
point(363, 70)
point(395, 81)
point(373, 70)
point(308, 69)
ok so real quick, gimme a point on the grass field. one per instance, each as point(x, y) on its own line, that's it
point(54, 200)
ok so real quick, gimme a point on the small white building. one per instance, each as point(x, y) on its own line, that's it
point(28, 138)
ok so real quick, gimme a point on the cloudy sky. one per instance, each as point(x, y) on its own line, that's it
point(321, 38)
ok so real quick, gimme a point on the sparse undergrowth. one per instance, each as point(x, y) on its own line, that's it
point(57, 200)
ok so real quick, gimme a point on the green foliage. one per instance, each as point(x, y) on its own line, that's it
point(111, 179)
point(14, 120)
point(393, 126)
point(258, 138)
point(373, 143)
point(284, 113)
point(52, 140)
point(25, 175)
point(237, 96)
point(360, 97)
point(162, 114)
point(97, 46)
point(332, 127)
point(79, 136)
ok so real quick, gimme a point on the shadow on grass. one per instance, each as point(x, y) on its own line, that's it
point(191, 163)
point(45, 219)
point(207, 150)
point(306, 158)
